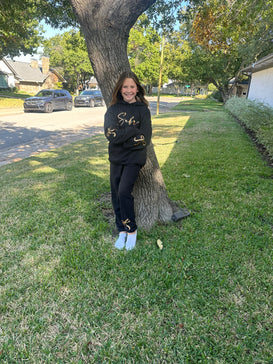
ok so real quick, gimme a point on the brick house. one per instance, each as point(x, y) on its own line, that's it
point(29, 77)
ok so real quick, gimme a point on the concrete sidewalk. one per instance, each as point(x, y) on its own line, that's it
point(11, 111)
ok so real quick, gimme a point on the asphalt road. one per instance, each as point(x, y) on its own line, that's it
point(25, 134)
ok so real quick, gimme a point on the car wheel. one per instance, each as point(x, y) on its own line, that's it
point(48, 107)
point(91, 104)
point(69, 106)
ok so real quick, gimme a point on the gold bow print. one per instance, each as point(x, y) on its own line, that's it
point(111, 132)
point(125, 223)
point(140, 140)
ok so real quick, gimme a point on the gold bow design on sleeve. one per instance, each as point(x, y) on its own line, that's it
point(140, 140)
point(111, 132)
point(125, 223)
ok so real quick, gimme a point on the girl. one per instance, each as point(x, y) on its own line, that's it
point(127, 126)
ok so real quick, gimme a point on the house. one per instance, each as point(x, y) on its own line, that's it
point(29, 77)
point(93, 83)
point(238, 89)
point(261, 80)
point(89, 84)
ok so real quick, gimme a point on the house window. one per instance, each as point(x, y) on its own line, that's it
point(3, 81)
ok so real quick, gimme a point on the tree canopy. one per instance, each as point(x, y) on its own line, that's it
point(68, 54)
point(18, 27)
point(19, 23)
point(144, 52)
point(225, 36)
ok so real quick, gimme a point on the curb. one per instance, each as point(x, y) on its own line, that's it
point(4, 112)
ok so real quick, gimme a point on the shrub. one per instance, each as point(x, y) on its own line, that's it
point(256, 116)
point(217, 95)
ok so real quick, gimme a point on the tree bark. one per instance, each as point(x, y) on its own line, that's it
point(152, 203)
point(106, 26)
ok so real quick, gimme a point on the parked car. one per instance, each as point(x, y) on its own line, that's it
point(48, 101)
point(89, 98)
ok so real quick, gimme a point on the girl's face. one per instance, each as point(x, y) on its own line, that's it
point(129, 90)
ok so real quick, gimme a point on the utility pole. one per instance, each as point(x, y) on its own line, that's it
point(160, 75)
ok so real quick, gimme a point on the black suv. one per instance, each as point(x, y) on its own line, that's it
point(89, 98)
point(48, 101)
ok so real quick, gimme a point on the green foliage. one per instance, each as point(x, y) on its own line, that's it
point(180, 63)
point(68, 54)
point(227, 36)
point(19, 23)
point(257, 117)
point(18, 27)
point(163, 14)
point(58, 13)
point(216, 94)
point(211, 87)
point(67, 296)
point(144, 52)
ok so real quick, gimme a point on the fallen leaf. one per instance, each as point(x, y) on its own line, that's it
point(180, 326)
point(159, 244)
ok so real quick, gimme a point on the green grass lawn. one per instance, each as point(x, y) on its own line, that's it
point(7, 103)
point(12, 99)
point(198, 104)
point(67, 296)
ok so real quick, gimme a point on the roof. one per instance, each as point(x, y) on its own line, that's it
point(24, 72)
point(262, 64)
point(93, 80)
point(238, 82)
point(57, 74)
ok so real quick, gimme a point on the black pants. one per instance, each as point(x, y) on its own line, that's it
point(122, 179)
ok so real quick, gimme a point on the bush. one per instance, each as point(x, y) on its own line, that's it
point(211, 87)
point(257, 117)
point(217, 95)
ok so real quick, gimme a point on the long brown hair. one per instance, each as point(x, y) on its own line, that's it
point(116, 96)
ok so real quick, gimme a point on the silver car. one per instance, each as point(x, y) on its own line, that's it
point(89, 98)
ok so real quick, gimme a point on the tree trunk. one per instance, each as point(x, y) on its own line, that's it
point(224, 93)
point(106, 26)
point(151, 199)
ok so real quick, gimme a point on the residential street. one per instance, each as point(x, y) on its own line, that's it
point(25, 134)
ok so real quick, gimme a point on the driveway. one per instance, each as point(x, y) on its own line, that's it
point(25, 134)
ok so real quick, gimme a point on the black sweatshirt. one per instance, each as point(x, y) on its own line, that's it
point(128, 129)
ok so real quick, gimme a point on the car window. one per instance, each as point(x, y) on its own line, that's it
point(44, 93)
point(87, 92)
